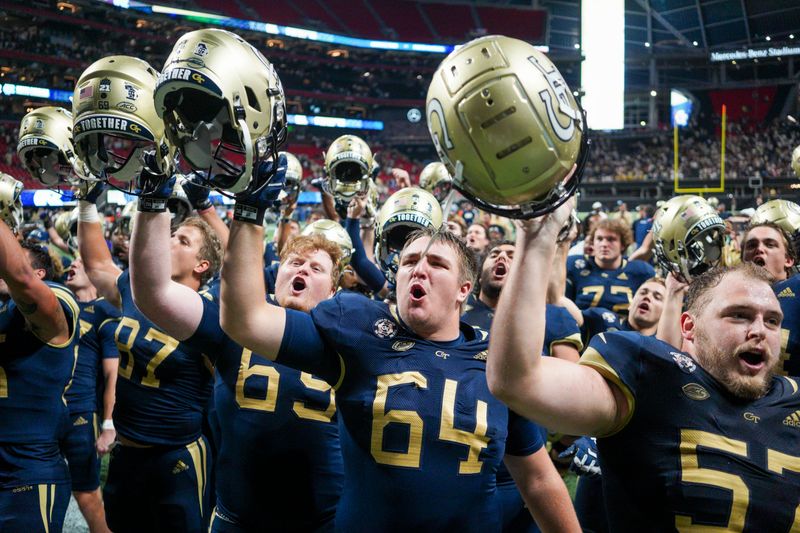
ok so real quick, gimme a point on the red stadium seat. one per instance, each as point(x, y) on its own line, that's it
point(358, 19)
point(450, 20)
point(529, 24)
point(404, 18)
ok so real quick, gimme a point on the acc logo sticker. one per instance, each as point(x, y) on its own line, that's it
point(695, 392)
point(385, 328)
point(126, 106)
point(684, 362)
point(402, 346)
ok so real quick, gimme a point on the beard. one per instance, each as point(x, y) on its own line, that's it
point(718, 363)
point(489, 287)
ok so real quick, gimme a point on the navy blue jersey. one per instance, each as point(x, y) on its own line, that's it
point(421, 435)
point(588, 285)
point(279, 464)
point(599, 320)
point(271, 255)
point(560, 327)
point(97, 323)
point(788, 293)
point(33, 414)
point(640, 230)
point(690, 453)
point(163, 384)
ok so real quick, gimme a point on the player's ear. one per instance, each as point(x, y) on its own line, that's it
point(464, 292)
point(688, 324)
point(202, 266)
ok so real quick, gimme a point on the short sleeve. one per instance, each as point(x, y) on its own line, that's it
point(561, 328)
point(304, 347)
point(617, 356)
point(209, 334)
point(524, 437)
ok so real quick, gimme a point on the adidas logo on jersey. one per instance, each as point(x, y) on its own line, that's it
point(80, 421)
point(786, 293)
point(89, 309)
point(792, 420)
point(180, 466)
point(623, 276)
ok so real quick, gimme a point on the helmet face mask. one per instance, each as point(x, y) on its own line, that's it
point(404, 211)
point(46, 149)
point(688, 237)
point(223, 106)
point(349, 167)
point(507, 127)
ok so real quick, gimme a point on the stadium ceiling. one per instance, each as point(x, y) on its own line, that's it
point(671, 24)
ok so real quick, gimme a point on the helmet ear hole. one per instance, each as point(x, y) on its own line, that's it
point(252, 101)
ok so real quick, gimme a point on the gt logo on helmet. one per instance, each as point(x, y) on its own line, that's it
point(559, 88)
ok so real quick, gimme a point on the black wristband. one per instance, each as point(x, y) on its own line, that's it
point(249, 214)
point(203, 205)
point(148, 204)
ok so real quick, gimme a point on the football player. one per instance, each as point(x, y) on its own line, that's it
point(768, 246)
point(276, 423)
point(477, 238)
point(417, 420)
point(562, 340)
point(157, 475)
point(38, 348)
point(721, 452)
point(93, 385)
point(606, 279)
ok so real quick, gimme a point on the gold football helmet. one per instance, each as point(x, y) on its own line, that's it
point(406, 210)
point(45, 147)
point(688, 237)
point(66, 225)
point(507, 127)
point(294, 178)
point(223, 106)
point(10, 202)
point(116, 129)
point(796, 161)
point(334, 232)
point(782, 213)
point(349, 167)
point(435, 179)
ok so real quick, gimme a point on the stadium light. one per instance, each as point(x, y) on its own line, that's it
point(603, 67)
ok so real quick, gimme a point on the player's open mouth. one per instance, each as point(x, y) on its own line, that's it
point(752, 361)
point(417, 292)
point(644, 307)
point(500, 270)
point(298, 285)
point(760, 261)
point(70, 274)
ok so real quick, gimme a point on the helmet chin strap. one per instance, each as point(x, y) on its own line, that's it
point(248, 146)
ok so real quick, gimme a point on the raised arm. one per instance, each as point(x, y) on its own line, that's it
point(175, 308)
point(35, 300)
point(669, 324)
point(100, 267)
point(245, 314)
point(198, 194)
point(559, 395)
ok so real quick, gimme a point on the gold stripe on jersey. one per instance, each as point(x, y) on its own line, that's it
point(793, 383)
point(594, 360)
point(341, 373)
point(574, 339)
point(68, 299)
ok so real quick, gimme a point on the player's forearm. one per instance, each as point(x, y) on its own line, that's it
point(110, 368)
point(174, 307)
point(669, 324)
point(220, 228)
point(57, 241)
point(547, 499)
point(557, 283)
point(33, 297)
point(91, 242)
point(517, 335)
point(245, 314)
point(645, 251)
point(329, 205)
